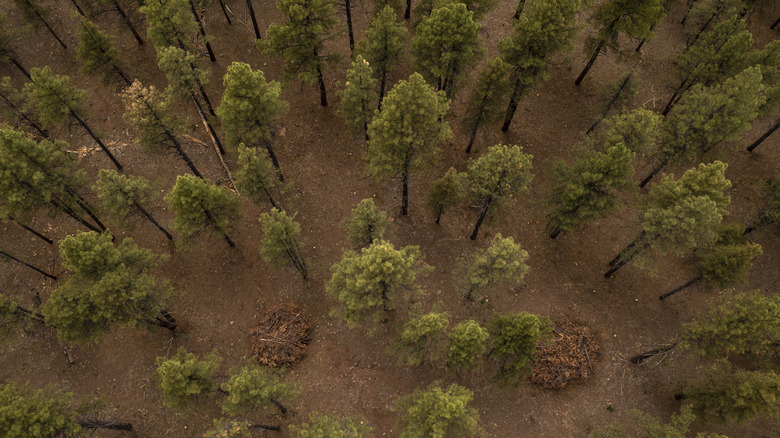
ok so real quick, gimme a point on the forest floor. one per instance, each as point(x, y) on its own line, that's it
point(222, 292)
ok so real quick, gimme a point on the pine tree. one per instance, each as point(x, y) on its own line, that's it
point(371, 283)
point(202, 29)
point(480, 8)
point(109, 285)
point(281, 242)
point(544, 28)
point(446, 44)
point(183, 76)
point(587, 188)
point(514, 339)
point(771, 212)
point(184, 378)
point(404, 137)
point(4, 254)
point(725, 264)
point(485, 103)
point(358, 97)
point(231, 428)
point(98, 54)
point(169, 23)
point(199, 205)
point(503, 172)
point(7, 54)
point(615, 18)
point(124, 196)
point(251, 387)
point(18, 105)
point(680, 215)
point(640, 424)
point(617, 97)
point(705, 14)
point(366, 224)
point(446, 192)
point(255, 176)
point(503, 262)
point(639, 130)
point(300, 42)
point(47, 412)
point(32, 11)
point(438, 411)
point(383, 46)
point(465, 344)
point(719, 53)
point(768, 59)
point(249, 107)
point(159, 129)
point(59, 102)
point(708, 117)
point(13, 316)
point(722, 395)
point(420, 338)
point(40, 174)
point(322, 425)
point(127, 18)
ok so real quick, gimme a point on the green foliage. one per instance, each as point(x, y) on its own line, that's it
point(169, 22)
point(638, 130)
point(641, 425)
point(631, 18)
point(359, 97)
point(465, 344)
point(281, 240)
point(54, 97)
point(586, 188)
point(385, 41)
point(27, 413)
point(123, 196)
point(438, 413)
point(255, 176)
point(91, 255)
point(199, 205)
point(33, 11)
point(503, 262)
point(184, 378)
point(709, 116)
point(747, 323)
point(618, 96)
point(500, 174)
point(7, 34)
point(149, 112)
point(480, 7)
point(704, 13)
point(329, 426)
point(180, 67)
point(16, 103)
point(13, 316)
point(445, 45)
point(721, 395)
point(252, 387)
point(370, 284)
point(229, 428)
point(446, 192)
point(488, 96)
point(420, 338)
point(300, 41)
point(98, 53)
point(727, 263)
point(514, 343)
point(367, 223)
point(250, 105)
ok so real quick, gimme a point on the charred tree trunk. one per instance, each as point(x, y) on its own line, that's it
point(639, 358)
point(202, 32)
point(774, 25)
point(654, 172)
point(264, 427)
point(674, 98)
point(628, 248)
point(555, 233)
point(45, 23)
point(30, 314)
point(481, 218)
point(589, 64)
point(78, 8)
point(321, 83)
point(642, 43)
point(97, 139)
point(624, 261)
point(758, 223)
point(272, 156)
point(84, 206)
point(128, 23)
point(405, 185)
point(110, 425)
point(612, 101)
point(22, 262)
point(514, 102)
point(19, 66)
point(439, 212)
point(473, 136)
point(281, 408)
point(30, 230)
point(764, 136)
point(679, 288)
point(151, 219)
point(382, 81)
point(165, 320)
point(254, 20)
point(225, 12)
point(408, 13)
point(24, 116)
point(208, 124)
point(348, 9)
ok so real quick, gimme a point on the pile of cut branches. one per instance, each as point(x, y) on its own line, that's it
point(568, 357)
point(281, 338)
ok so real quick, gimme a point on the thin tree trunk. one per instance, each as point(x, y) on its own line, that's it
point(481, 218)
point(19, 66)
point(611, 101)
point(224, 11)
point(208, 124)
point(281, 408)
point(187, 160)
point(473, 136)
point(438, 214)
point(405, 184)
point(348, 8)
point(227, 239)
point(151, 219)
point(555, 233)
point(642, 43)
point(128, 23)
point(272, 156)
point(30, 314)
point(254, 20)
point(627, 248)
point(83, 204)
point(321, 82)
point(760, 222)
point(764, 137)
point(774, 25)
point(624, 262)
point(30, 230)
point(97, 139)
point(514, 101)
point(654, 172)
point(408, 13)
point(639, 358)
point(47, 26)
point(264, 427)
point(270, 199)
point(22, 262)
point(123, 75)
point(589, 64)
point(205, 98)
point(671, 102)
point(687, 11)
point(78, 8)
point(679, 288)
point(203, 32)
point(382, 81)
point(165, 320)
point(110, 425)
point(24, 116)
point(519, 9)
point(67, 210)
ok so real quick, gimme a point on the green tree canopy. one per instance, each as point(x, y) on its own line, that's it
point(27, 413)
point(384, 45)
point(446, 192)
point(438, 412)
point(445, 45)
point(98, 54)
point(727, 263)
point(169, 22)
point(321, 425)
point(185, 378)
point(358, 98)
point(91, 255)
point(251, 387)
point(7, 35)
point(503, 262)
point(18, 104)
point(420, 338)
point(502, 173)
point(639, 130)
point(641, 425)
point(366, 224)
point(514, 339)
point(771, 212)
point(466, 343)
point(255, 175)
point(369, 284)
point(199, 205)
point(405, 135)
point(281, 242)
point(486, 101)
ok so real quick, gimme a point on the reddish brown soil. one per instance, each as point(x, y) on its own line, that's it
point(222, 291)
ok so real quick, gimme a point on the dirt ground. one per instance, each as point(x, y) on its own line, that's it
point(223, 291)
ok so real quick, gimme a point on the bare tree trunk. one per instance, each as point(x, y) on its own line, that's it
point(612, 101)
point(97, 139)
point(202, 32)
point(224, 11)
point(252, 16)
point(19, 66)
point(38, 270)
point(30, 230)
point(764, 136)
point(110, 425)
point(35, 11)
point(408, 13)
point(128, 23)
point(208, 124)
point(679, 288)
point(774, 25)
point(348, 8)
point(481, 218)
point(589, 64)
point(639, 358)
